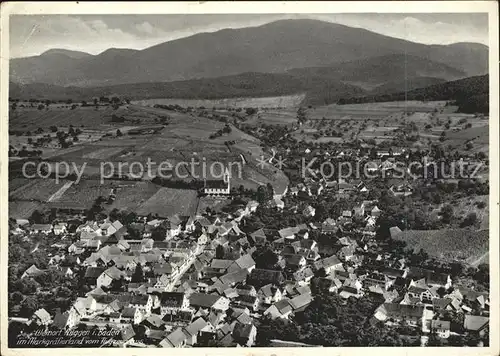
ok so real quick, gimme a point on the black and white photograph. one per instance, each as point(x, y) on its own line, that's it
point(246, 179)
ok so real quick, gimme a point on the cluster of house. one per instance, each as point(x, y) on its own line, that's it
point(201, 284)
point(425, 297)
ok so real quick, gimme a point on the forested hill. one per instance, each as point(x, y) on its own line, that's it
point(471, 95)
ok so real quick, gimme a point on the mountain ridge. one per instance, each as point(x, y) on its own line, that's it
point(270, 48)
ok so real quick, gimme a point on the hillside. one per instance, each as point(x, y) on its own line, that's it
point(67, 53)
point(244, 85)
point(380, 70)
point(451, 244)
point(272, 48)
point(471, 95)
point(398, 85)
point(322, 85)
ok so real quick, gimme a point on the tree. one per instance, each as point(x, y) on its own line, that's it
point(456, 340)
point(263, 194)
point(219, 252)
point(483, 275)
point(265, 258)
point(447, 213)
point(37, 217)
point(138, 275)
point(250, 111)
point(469, 220)
point(28, 307)
point(270, 190)
point(159, 233)
point(118, 133)
point(434, 340)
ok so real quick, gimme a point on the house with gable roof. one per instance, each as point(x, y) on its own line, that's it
point(60, 228)
point(329, 226)
point(178, 338)
point(281, 309)
point(257, 238)
point(244, 334)
point(68, 319)
point(41, 317)
point(109, 275)
point(269, 294)
point(411, 314)
point(245, 262)
point(329, 264)
point(32, 271)
point(199, 329)
point(476, 324)
point(441, 328)
point(431, 278)
point(209, 301)
point(41, 228)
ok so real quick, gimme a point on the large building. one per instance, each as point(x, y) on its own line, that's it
point(218, 187)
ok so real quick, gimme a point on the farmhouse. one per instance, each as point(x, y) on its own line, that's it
point(399, 312)
point(209, 301)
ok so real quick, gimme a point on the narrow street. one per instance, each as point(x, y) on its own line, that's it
point(176, 280)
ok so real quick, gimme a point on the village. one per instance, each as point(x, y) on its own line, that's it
point(217, 278)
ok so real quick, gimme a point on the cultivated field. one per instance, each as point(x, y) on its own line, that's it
point(266, 102)
point(102, 153)
point(36, 189)
point(84, 194)
point(17, 183)
point(382, 121)
point(29, 119)
point(167, 202)
point(213, 203)
point(23, 209)
point(131, 195)
point(273, 117)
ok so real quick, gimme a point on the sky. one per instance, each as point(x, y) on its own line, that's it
point(34, 34)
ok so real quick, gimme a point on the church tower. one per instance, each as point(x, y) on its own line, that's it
point(227, 178)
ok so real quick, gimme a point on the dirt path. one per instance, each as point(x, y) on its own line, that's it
point(480, 259)
point(57, 195)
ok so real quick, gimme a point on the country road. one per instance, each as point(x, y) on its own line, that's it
point(174, 282)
